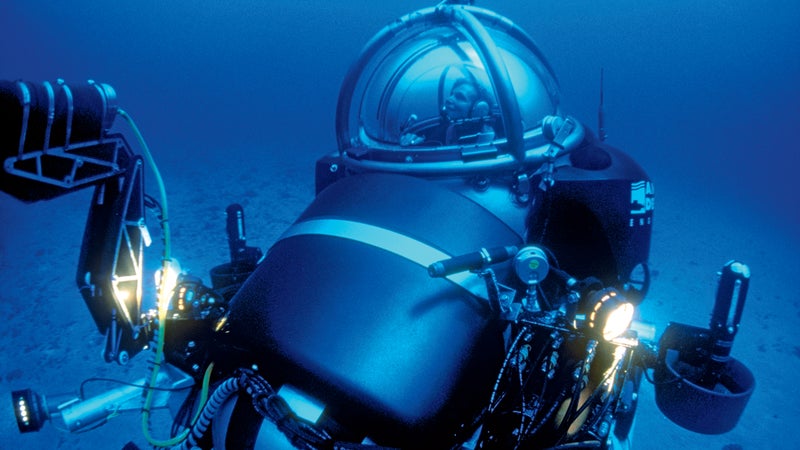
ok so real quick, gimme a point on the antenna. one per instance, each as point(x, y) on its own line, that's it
point(601, 126)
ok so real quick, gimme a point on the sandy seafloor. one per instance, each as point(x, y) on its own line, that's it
point(702, 220)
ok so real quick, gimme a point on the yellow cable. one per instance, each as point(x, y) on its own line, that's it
point(161, 189)
point(162, 303)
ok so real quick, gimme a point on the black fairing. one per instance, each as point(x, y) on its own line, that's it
point(597, 217)
point(368, 332)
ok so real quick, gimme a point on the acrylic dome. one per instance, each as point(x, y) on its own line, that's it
point(447, 89)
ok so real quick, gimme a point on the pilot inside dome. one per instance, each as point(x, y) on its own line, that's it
point(465, 116)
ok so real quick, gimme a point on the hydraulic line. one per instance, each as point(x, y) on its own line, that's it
point(161, 189)
point(162, 300)
point(220, 395)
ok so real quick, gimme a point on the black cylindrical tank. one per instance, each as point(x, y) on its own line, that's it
point(343, 308)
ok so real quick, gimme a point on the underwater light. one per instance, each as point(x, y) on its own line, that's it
point(166, 280)
point(618, 321)
point(30, 410)
point(609, 314)
point(78, 414)
point(123, 295)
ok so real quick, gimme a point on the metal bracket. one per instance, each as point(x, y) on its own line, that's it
point(69, 167)
point(556, 130)
point(500, 297)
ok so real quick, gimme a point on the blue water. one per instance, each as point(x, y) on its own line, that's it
point(701, 89)
point(705, 95)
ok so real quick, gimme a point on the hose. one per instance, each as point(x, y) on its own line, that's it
point(162, 306)
point(160, 181)
point(220, 395)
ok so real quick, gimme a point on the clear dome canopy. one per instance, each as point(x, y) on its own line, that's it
point(446, 87)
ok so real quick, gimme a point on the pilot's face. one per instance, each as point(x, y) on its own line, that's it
point(460, 101)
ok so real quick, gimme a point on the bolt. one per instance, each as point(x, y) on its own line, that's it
point(482, 184)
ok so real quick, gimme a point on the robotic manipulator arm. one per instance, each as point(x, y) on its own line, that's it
point(57, 140)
